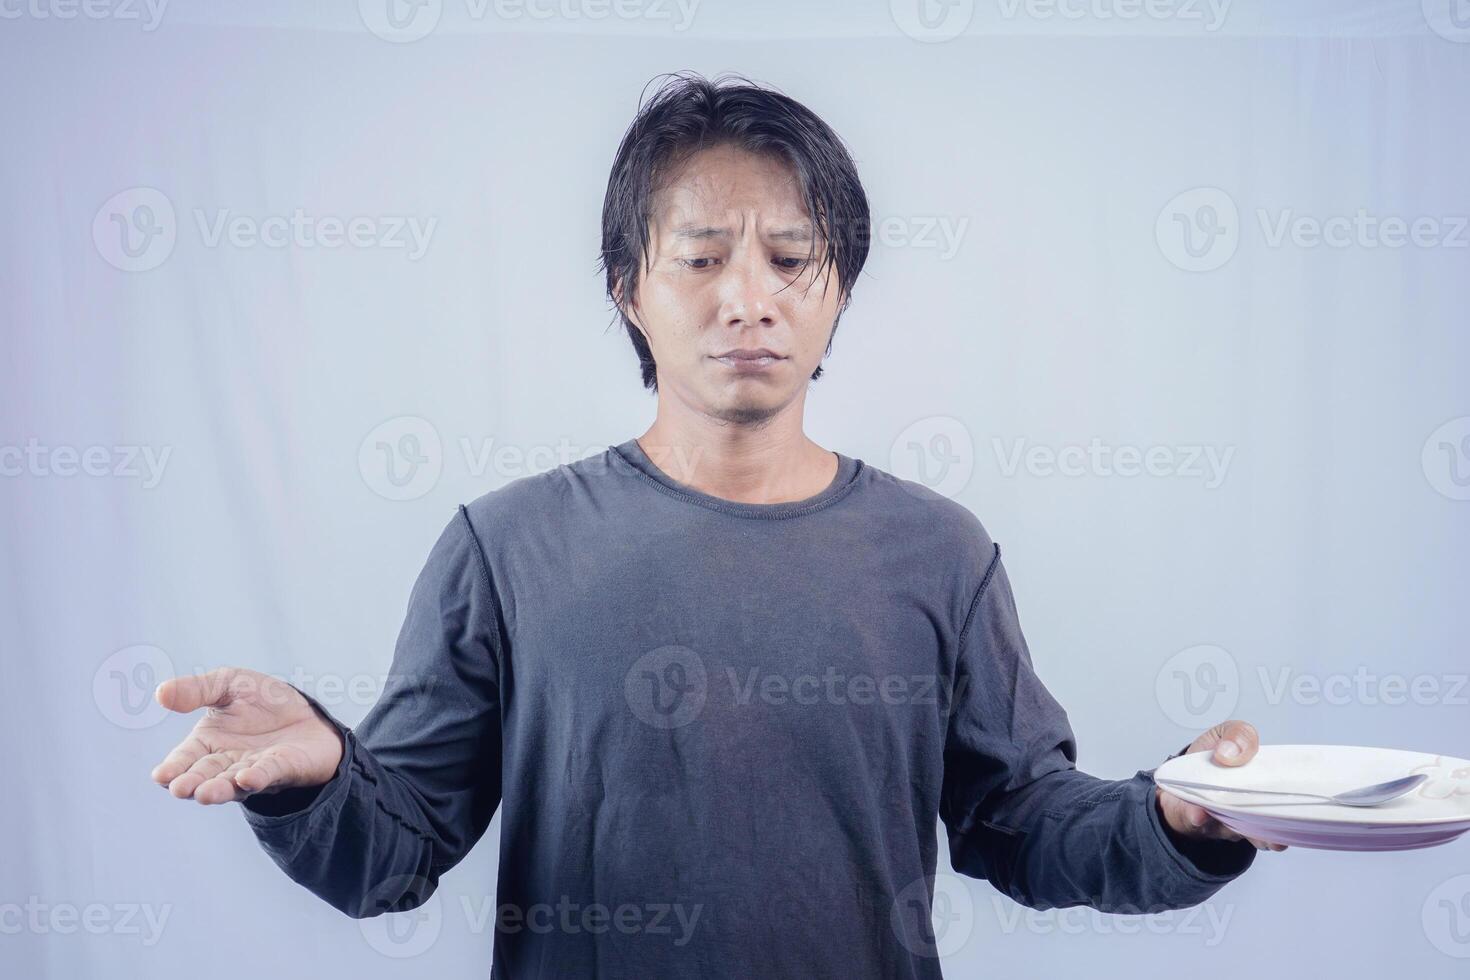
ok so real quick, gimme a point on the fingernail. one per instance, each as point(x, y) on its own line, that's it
point(1227, 749)
point(1198, 817)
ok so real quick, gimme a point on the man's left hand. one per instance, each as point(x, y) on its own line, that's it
point(1235, 744)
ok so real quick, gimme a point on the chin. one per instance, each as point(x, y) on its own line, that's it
point(747, 411)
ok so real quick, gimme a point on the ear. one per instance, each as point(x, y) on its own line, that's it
point(630, 310)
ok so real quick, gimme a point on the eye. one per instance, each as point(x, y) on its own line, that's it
point(796, 264)
point(694, 263)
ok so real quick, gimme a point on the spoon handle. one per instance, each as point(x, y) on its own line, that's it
point(1232, 789)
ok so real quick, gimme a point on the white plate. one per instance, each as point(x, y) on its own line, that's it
point(1436, 812)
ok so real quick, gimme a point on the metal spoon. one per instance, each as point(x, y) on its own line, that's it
point(1366, 796)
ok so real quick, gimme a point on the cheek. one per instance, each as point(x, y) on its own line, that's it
point(672, 311)
point(813, 319)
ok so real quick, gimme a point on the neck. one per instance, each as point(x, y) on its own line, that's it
point(767, 462)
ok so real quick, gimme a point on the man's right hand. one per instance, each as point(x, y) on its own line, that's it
point(259, 734)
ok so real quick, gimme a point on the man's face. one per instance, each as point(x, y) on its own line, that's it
point(728, 273)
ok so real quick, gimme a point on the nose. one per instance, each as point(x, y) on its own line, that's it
point(747, 291)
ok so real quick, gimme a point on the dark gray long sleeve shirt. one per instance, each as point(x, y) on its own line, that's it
point(720, 735)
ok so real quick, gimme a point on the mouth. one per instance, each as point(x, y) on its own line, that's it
point(749, 359)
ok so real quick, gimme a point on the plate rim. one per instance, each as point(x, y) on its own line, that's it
point(1338, 818)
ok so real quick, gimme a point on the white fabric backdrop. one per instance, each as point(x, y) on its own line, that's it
point(191, 423)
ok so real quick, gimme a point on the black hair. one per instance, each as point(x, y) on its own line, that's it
point(689, 113)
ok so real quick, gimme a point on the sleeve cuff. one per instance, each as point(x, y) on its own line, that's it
point(273, 809)
point(1211, 862)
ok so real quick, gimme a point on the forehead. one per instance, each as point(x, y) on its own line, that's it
point(726, 184)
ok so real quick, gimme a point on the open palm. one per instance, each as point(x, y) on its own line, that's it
point(258, 733)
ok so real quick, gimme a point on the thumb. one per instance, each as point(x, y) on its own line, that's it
point(185, 694)
point(1234, 742)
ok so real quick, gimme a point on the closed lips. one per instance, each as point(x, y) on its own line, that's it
point(748, 355)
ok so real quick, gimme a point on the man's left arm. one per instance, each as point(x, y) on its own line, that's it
point(1021, 815)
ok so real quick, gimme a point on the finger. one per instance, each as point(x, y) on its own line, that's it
point(1225, 833)
point(1184, 814)
point(217, 789)
point(1198, 822)
point(187, 785)
point(261, 773)
point(185, 694)
point(1201, 823)
point(1237, 742)
point(1219, 830)
point(1216, 829)
point(184, 755)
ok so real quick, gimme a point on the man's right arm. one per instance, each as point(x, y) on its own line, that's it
point(419, 779)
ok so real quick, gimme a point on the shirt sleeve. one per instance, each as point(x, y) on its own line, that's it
point(1018, 812)
point(419, 778)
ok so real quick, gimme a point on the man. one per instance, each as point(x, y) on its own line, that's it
point(720, 681)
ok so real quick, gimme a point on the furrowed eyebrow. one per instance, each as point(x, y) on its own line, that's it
point(800, 234)
point(697, 233)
